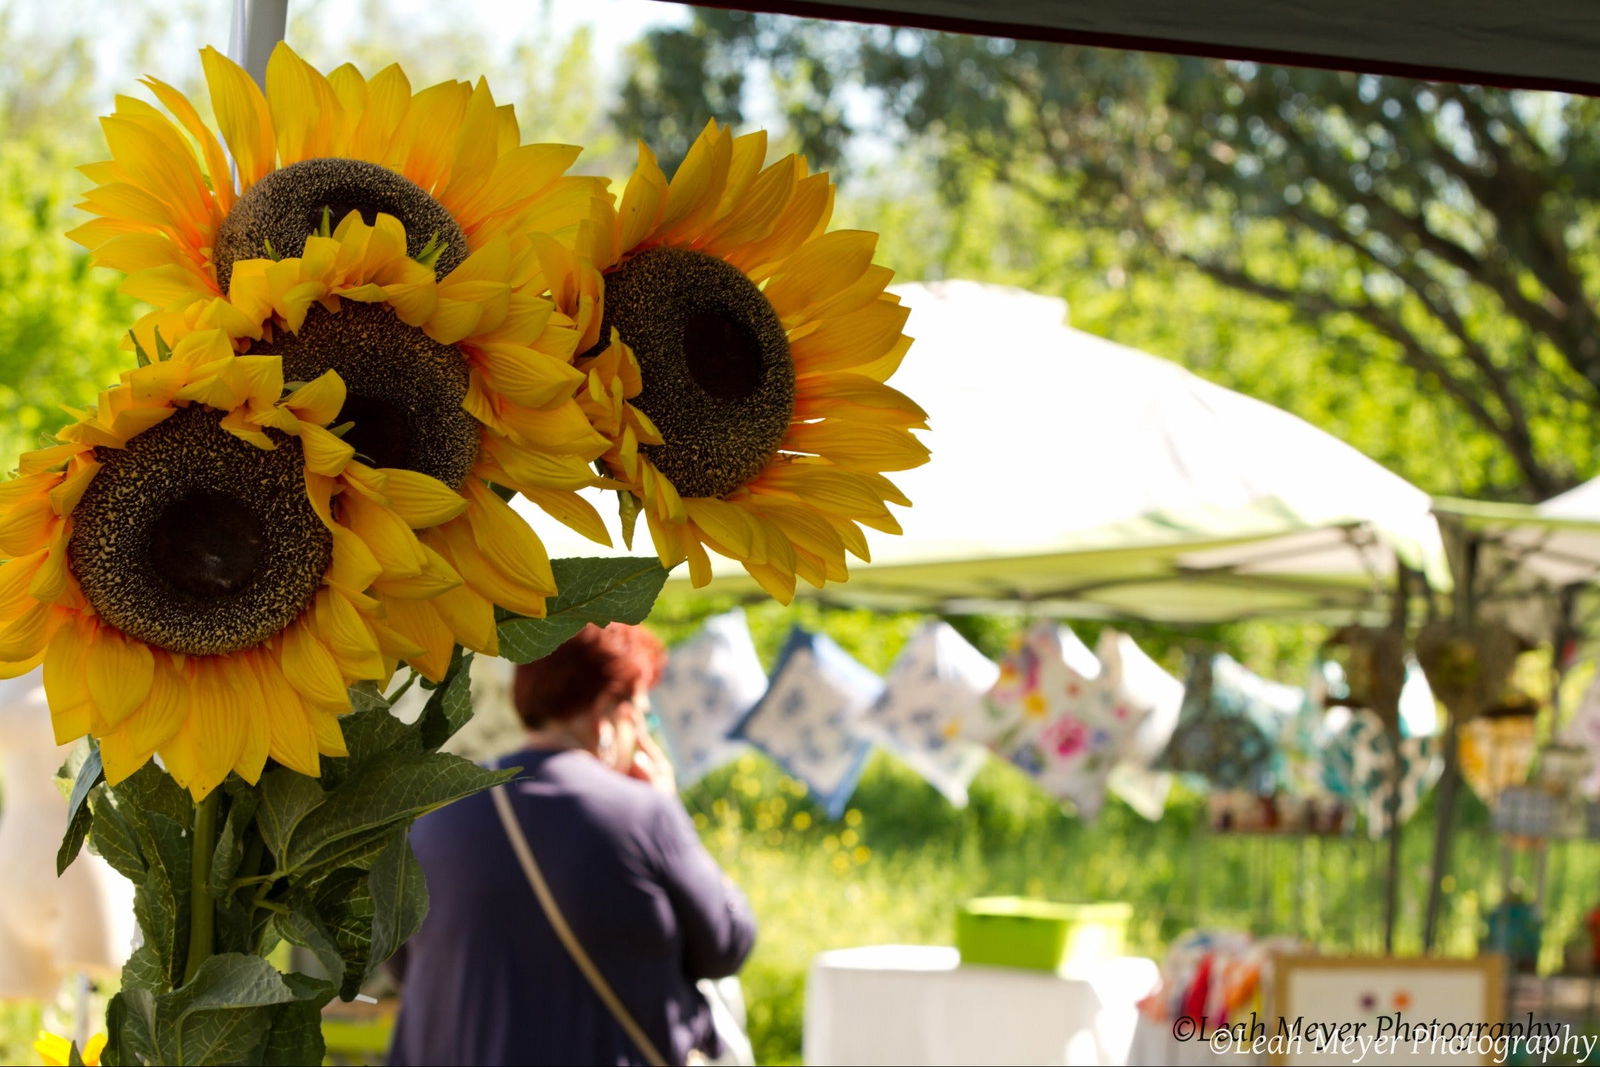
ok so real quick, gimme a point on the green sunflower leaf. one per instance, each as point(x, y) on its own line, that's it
point(222, 1014)
point(399, 899)
point(151, 789)
point(393, 788)
point(287, 797)
point(449, 706)
point(371, 733)
point(88, 774)
point(130, 1021)
point(345, 903)
point(229, 853)
point(596, 590)
point(366, 696)
point(296, 1034)
point(628, 510)
point(161, 903)
point(139, 354)
point(113, 837)
point(302, 926)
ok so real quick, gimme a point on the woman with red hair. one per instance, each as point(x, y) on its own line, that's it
point(491, 977)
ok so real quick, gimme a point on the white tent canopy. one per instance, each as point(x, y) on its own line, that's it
point(1536, 549)
point(1075, 476)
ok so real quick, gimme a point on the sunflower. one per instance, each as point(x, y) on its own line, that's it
point(56, 1051)
point(749, 413)
point(446, 161)
point(176, 563)
point(467, 380)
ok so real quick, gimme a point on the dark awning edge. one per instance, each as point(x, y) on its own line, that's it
point(1427, 55)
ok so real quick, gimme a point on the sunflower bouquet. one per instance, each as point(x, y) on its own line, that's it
point(377, 316)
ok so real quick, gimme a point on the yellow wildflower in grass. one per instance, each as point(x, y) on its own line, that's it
point(746, 403)
point(56, 1051)
point(466, 379)
point(178, 565)
point(447, 161)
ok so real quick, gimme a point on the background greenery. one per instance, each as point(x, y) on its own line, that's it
point(1108, 179)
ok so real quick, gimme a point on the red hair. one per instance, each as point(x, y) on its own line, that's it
point(596, 664)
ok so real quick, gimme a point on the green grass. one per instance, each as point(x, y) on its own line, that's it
point(900, 862)
point(896, 867)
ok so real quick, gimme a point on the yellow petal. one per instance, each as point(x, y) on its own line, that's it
point(330, 738)
point(388, 99)
point(318, 402)
point(158, 718)
point(526, 376)
point(454, 542)
point(50, 582)
point(506, 539)
point(850, 340)
point(420, 500)
point(325, 453)
point(27, 526)
point(120, 758)
point(819, 270)
point(857, 446)
point(305, 109)
point(216, 726)
point(725, 523)
point(17, 578)
point(312, 670)
point(386, 535)
point(119, 670)
point(340, 627)
point(23, 637)
point(419, 622)
point(66, 684)
point(437, 576)
point(242, 114)
point(291, 739)
point(572, 511)
point(778, 584)
point(643, 200)
point(470, 618)
point(216, 163)
point(857, 397)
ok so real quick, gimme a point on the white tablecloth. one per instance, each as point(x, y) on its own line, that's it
point(916, 1004)
point(1154, 1046)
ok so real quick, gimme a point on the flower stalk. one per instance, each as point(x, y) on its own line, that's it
point(202, 909)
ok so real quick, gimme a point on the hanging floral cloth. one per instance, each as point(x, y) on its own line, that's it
point(809, 721)
point(711, 681)
point(1228, 730)
point(937, 682)
point(1062, 716)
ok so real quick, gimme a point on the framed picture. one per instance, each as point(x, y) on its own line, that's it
point(1384, 1009)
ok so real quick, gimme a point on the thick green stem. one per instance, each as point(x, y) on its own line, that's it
point(202, 909)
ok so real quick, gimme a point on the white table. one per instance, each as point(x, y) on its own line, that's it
point(916, 1004)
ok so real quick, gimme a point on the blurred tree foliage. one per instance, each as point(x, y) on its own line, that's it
point(60, 321)
point(1409, 265)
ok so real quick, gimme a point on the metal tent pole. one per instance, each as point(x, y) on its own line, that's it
point(1466, 549)
point(258, 26)
point(1391, 807)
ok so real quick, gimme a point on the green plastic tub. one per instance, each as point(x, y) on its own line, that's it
point(1039, 935)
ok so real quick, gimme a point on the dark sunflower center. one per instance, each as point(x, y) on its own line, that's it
point(197, 542)
point(718, 377)
point(380, 431)
point(722, 357)
point(403, 390)
point(207, 544)
point(275, 215)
